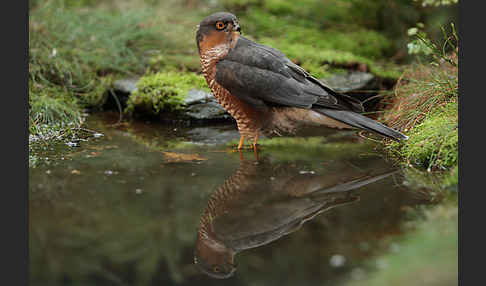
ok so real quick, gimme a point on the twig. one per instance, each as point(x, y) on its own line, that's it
point(118, 105)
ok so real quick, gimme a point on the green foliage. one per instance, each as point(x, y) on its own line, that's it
point(73, 48)
point(387, 18)
point(53, 116)
point(66, 3)
point(422, 44)
point(437, 3)
point(49, 105)
point(426, 106)
point(162, 91)
point(433, 143)
point(79, 47)
point(260, 24)
point(73, 57)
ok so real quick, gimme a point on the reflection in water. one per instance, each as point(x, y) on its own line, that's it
point(113, 212)
point(262, 202)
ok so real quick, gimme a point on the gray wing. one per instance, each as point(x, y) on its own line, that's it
point(260, 75)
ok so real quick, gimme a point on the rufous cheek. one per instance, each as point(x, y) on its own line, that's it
point(213, 39)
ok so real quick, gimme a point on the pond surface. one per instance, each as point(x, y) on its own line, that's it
point(147, 204)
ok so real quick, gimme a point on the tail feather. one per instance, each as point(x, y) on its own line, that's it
point(360, 121)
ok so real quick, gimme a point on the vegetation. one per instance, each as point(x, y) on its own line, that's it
point(73, 55)
point(425, 106)
point(163, 91)
point(77, 49)
point(319, 37)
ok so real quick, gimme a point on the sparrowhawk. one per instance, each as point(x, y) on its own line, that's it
point(265, 91)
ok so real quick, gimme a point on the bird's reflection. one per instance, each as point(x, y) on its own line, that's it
point(262, 202)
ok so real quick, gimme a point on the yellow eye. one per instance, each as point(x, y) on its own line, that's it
point(220, 25)
point(216, 269)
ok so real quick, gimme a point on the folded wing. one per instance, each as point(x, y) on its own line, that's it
point(262, 76)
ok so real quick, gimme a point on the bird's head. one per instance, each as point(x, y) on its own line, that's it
point(214, 259)
point(218, 29)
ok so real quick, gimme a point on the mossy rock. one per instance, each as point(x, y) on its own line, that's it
point(162, 92)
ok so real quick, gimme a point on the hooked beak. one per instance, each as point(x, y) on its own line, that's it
point(236, 27)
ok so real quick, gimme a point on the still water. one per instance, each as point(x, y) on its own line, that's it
point(147, 204)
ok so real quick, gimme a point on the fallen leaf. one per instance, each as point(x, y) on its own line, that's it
point(172, 157)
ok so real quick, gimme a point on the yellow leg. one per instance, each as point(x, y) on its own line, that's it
point(242, 140)
point(255, 140)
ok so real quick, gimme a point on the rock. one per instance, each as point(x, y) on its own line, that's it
point(351, 82)
point(357, 84)
point(211, 111)
point(121, 91)
point(125, 85)
point(201, 106)
point(197, 96)
point(360, 85)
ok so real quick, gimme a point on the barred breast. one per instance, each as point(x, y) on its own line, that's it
point(247, 118)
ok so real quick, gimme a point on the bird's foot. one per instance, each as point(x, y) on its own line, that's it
point(255, 152)
point(247, 147)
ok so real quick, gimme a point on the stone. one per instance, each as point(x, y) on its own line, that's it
point(352, 81)
point(197, 96)
point(125, 85)
point(122, 89)
point(207, 111)
point(360, 85)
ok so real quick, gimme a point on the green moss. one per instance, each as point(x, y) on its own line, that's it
point(163, 91)
point(433, 143)
point(181, 62)
point(355, 40)
point(321, 52)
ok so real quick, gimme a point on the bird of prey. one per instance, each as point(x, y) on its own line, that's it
point(265, 91)
point(240, 215)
